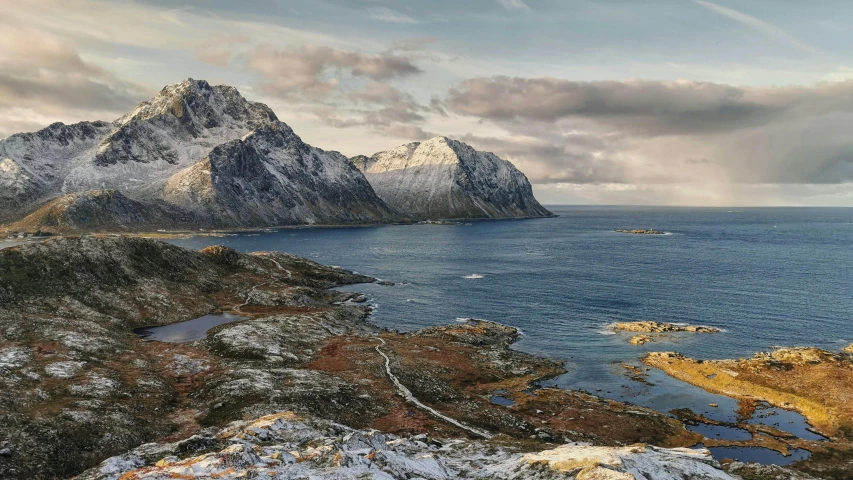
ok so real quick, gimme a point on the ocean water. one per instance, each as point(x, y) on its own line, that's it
point(767, 276)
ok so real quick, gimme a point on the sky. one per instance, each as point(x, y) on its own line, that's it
point(662, 102)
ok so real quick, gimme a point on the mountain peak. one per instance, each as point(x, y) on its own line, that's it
point(199, 100)
point(443, 178)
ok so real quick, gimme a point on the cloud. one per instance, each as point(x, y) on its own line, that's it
point(651, 106)
point(383, 108)
point(652, 132)
point(760, 26)
point(385, 14)
point(307, 70)
point(514, 5)
point(644, 106)
point(43, 73)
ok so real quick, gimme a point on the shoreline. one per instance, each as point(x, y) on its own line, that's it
point(185, 233)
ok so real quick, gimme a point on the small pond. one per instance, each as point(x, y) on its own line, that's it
point(195, 329)
point(759, 455)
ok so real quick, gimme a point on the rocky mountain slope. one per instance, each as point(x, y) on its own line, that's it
point(271, 177)
point(161, 149)
point(447, 179)
point(104, 210)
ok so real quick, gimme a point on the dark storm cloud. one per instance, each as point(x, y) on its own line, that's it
point(787, 135)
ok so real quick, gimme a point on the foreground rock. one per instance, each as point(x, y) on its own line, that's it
point(815, 382)
point(446, 179)
point(285, 446)
point(648, 326)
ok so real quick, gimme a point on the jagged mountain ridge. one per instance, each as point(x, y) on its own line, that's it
point(271, 177)
point(177, 127)
point(447, 179)
point(160, 148)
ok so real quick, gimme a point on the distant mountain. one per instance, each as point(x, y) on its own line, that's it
point(447, 179)
point(258, 172)
point(202, 156)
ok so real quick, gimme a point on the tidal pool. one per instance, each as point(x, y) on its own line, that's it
point(759, 455)
point(195, 329)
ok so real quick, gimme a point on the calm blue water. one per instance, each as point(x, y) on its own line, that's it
point(187, 331)
point(768, 276)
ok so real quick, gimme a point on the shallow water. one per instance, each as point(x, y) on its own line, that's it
point(8, 243)
point(721, 432)
point(759, 455)
point(791, 422)
point(767, 276)
point(195, 329)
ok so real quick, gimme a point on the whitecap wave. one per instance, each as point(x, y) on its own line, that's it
point(473, 276)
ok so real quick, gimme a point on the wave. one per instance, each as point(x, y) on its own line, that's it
point(473, 276)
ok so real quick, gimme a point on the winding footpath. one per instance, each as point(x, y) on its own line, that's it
point(407, 395)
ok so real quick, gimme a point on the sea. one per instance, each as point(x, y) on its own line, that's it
point(766, 276)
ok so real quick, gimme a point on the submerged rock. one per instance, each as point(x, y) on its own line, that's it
point(641, 232)
point(639, 339)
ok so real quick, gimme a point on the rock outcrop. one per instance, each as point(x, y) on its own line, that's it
point(286, 446)
point(650, 326)
point(447, 179)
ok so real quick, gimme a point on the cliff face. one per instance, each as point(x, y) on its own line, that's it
point(271, 177)
point(445, 179)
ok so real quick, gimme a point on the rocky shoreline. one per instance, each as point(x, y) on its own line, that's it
point(78, 387)
point(640, 231)
point(814, 382)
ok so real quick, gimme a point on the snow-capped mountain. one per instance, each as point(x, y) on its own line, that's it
point(197, 156)
point(34, 165)
point(271, 177)
point(446, 179)
point(162, 150)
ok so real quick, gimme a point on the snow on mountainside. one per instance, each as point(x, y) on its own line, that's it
point(167, 133)
point(444, 179)
point(33, 165)
point(161, 150)
point(160, 137)
point(271, 177)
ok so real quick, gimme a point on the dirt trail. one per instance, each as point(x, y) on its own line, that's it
point(406, 394)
